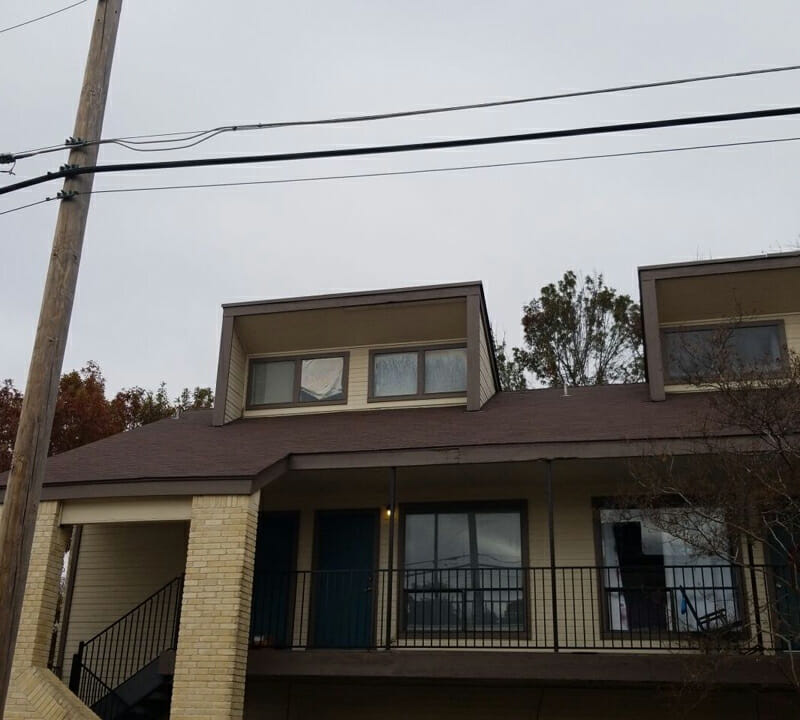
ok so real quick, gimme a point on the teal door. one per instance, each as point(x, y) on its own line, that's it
point(274, 580)
point(344, 580)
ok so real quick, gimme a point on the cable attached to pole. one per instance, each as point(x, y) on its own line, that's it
point(68, 171)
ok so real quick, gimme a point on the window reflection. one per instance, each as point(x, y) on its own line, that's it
point(463, 571)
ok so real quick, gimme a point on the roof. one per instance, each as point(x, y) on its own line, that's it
point(413, 293)
point(765, 261)
point(601, 421)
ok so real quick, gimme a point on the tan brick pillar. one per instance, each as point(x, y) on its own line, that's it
point(38, 606)
point(211, 659)
point(41, 588)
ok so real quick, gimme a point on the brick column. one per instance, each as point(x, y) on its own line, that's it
point(41, 589)
point(35, 692)
point(211, 659)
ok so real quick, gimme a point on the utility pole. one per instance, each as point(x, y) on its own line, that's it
point(38, 407)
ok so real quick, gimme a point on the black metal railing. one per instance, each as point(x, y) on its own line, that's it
point(106, 662)
point(565, 608)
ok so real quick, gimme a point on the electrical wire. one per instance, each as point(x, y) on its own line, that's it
point(191, 138)
point(42, 17)
point(422, 171)
point(67, 171)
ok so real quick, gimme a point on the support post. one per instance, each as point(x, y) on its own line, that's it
point(754, 591)
point(552, 544)
point(38, 406)
point(390, 562)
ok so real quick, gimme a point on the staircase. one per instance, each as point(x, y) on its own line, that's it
point(125, 671)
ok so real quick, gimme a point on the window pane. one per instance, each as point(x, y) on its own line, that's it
point(446, 370)
point(322, 379)
point(395, 374)
point(499, 540)
point(655, 580)
point(698, 352)
point(756, 346)
point(273, 382)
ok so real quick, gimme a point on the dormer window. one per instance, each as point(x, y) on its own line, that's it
point(301, 380)
point(703, 352)
point(404, 374)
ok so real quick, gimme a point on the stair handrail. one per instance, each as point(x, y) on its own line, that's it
point(114, 655)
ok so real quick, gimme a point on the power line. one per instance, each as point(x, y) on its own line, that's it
point(42, 17)
point(190, 138)
point(22, 207)
point(67, 171)
point(422, 171)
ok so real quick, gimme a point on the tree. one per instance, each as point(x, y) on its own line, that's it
point(737, 496)
point(10, 408)
point(510, 367)
point(582, 333)
point(84, 414)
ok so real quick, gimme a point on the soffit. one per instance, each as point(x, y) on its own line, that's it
point(427, 321)
point(728, 295)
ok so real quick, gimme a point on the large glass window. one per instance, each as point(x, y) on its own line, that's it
point(654, 581)
point(289, 381)
point(463, 571)
point(418, 372)
point(704, 352)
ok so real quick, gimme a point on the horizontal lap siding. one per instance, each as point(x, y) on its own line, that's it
point(487, 379)
point(118, 567)
point(234, 400)
point(576, 552)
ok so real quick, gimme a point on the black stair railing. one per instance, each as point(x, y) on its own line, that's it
point(109, 659)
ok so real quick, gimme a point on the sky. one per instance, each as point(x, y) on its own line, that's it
point(157, 266)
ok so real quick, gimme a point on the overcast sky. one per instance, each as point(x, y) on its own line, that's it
point(157, 266)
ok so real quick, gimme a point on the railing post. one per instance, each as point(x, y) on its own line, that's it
point(75, 670)
point(551, 535)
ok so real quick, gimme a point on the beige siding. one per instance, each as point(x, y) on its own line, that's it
point(118, 567)
point(576, 485)
point(791, 324)
point(358, 386)
point(487, 379)
point(234, 400)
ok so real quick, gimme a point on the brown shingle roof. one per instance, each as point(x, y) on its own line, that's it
point(192, 448)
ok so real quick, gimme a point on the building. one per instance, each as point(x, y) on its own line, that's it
point(365, 525)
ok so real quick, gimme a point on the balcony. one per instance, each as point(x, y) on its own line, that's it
point(569, 609)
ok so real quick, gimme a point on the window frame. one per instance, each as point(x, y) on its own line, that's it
point(714, 327)
point(420, 350)
point(298, 368)
point(476, 506)
point(618, 503)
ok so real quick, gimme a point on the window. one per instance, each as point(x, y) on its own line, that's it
point(462, 571)
point(656, 582)
point(423, 372)
point(297, 381)
point(699, 352)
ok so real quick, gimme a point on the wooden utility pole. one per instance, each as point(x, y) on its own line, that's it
point(38, 407)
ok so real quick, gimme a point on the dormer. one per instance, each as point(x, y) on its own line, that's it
point(754, 301)
point(378, 350)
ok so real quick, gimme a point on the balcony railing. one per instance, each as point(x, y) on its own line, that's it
point(536, 608)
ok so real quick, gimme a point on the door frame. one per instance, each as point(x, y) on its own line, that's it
point(376, 546)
